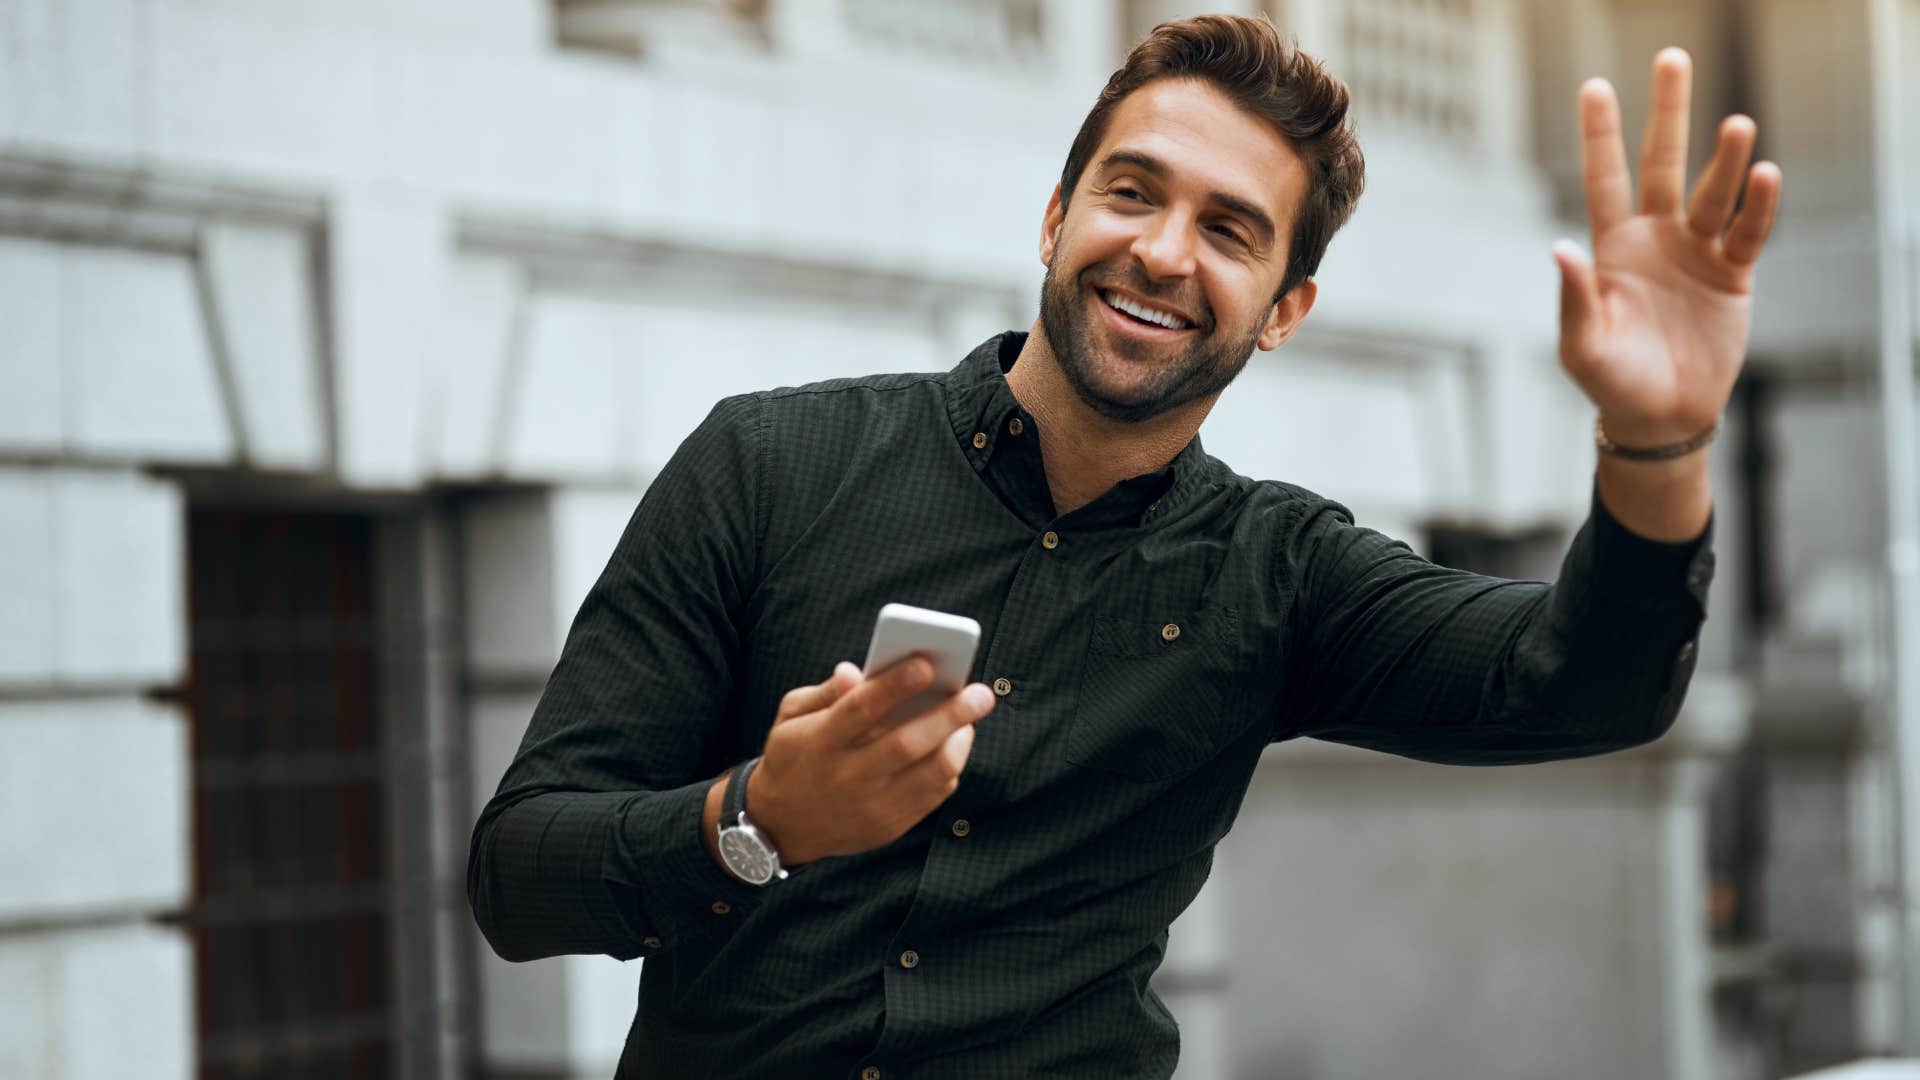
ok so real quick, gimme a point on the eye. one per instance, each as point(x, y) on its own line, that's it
point(1127, 192)
point(1223, 230)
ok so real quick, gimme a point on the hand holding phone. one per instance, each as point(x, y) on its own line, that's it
point(854, 762)
point(949, 641)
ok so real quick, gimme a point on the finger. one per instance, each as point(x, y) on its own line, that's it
point(810, 699)
point(937, 772)
point(1718, 187)
point(870, 702)
point(916, 738)
point(1663, 153)
point(1755, 219)
point(1603, 157)
point(1581, 326)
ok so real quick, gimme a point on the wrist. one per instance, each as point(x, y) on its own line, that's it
point(762, 814)
point(1668, 501)
point(710, 818)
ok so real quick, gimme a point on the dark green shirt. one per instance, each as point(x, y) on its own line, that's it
point(1148, 646)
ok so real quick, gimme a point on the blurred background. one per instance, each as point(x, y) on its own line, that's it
point(338, 340)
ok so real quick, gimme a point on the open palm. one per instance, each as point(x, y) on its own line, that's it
point(1654, 328)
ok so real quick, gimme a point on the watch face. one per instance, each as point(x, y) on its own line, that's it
point(747, 855)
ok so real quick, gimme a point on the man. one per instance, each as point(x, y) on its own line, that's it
point(984, 890)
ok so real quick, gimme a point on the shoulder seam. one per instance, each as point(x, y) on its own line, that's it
point(797, 391)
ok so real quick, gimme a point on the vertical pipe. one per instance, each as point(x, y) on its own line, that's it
point(1753, 398)
point(1902, 712)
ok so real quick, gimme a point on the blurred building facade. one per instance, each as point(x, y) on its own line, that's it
point(340, 340)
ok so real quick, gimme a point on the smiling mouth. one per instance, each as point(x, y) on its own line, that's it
point(1136, 312)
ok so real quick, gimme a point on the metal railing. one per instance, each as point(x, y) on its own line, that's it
point(1412, 64)
point(976, 31)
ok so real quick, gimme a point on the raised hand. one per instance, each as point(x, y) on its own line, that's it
point(1654, 329)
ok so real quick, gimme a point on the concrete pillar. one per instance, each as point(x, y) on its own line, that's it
point(530, 558)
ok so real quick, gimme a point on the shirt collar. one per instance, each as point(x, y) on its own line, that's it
point(980, 403)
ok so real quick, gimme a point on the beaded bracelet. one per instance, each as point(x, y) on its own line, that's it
point(1652, 453)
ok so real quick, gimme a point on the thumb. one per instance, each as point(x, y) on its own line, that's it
point(1580, 326)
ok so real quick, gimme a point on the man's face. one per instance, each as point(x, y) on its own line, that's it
point(1162, 269)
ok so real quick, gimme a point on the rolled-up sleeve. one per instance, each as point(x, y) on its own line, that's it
point(1394, 653)
point(591, 843)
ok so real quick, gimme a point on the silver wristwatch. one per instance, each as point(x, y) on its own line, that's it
point(745, 849)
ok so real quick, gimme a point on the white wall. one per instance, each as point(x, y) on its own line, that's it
point(378, 245)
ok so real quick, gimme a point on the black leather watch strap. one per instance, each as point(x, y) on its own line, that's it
point(736, 801)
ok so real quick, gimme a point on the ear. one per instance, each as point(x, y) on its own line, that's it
point(1287, 314)
point(1050, 225)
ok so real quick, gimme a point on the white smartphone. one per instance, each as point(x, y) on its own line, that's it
point(948, 640)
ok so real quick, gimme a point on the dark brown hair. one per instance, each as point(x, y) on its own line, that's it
point(1270, 77)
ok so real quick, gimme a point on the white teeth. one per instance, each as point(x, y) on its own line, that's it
point(1143, 313)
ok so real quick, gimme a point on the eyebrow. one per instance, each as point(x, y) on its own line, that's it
point(1234, 204)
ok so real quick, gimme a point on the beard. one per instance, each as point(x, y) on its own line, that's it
point(1212, 360)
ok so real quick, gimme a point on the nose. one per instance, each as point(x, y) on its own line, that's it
point(1165, 246)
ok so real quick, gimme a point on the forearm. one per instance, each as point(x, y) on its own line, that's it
point(534, 880)
point(1599, 661)
point(1420, 660)
point(1606, 662)
point(623, 874)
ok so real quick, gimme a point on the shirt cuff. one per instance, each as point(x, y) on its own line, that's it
point(661, 882)
point(1649, 574)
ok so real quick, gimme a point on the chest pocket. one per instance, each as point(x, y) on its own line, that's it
point(1158, 698)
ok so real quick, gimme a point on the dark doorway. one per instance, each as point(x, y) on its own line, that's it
point(317, 909)
point(290, 905)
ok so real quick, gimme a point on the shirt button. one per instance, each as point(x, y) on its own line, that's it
point(721, 907)
point(1696, 577)
point(909, 958)
point(1049, 539)
point(961, 827)
point(979, 440)
point(870, 1073)
point(650, 942)
point(1686, 652)
point(1002, 687)
point(1169, 632)
point(1015, 427)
